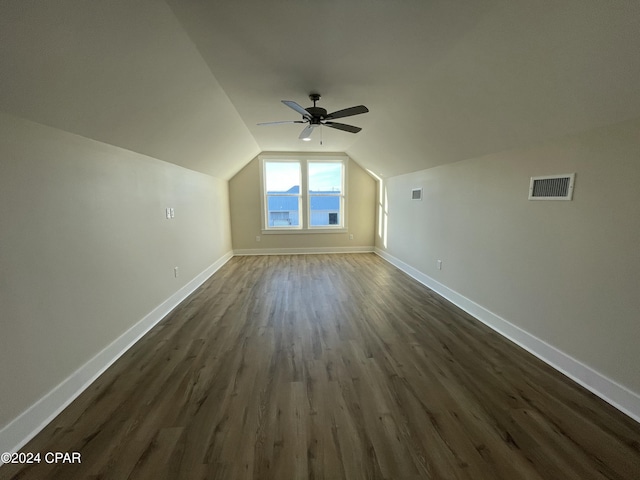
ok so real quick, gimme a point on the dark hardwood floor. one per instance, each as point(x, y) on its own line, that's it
point(331, 367)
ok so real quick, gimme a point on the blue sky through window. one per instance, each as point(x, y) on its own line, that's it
point(325, 177)
point(282, 176)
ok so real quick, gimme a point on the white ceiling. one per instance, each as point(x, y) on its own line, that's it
point(186, 81)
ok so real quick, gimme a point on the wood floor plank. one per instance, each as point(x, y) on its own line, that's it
point(331, 367)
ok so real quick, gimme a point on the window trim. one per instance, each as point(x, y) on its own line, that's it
point(265, 203)
point(342, 195)
point(303, 159)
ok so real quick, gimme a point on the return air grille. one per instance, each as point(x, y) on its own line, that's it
point(416, 194)
point(553, 187)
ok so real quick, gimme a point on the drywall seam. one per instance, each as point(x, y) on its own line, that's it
point(610, 391)
point(29, 423)
point(301, 251)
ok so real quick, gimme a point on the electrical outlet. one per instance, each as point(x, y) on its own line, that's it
point(439, 264)
point(168, 212)
point(351, 236)
point(172, 212)
point(257, 238)
point(175, 272)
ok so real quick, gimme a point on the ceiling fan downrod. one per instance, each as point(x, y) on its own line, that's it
point(314, 97)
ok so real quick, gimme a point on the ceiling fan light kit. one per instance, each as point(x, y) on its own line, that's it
point(317, 116)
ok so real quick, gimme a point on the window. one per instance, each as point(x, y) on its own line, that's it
point(325, 193)
point(283, 199)
point(303, 195)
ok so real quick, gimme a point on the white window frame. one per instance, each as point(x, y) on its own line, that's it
point(303, 159)
point(265, 202)
point(341, 196)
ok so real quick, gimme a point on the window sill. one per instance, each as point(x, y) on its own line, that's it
point(304, 231)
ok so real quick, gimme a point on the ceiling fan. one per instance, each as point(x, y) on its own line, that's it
point(318, 116)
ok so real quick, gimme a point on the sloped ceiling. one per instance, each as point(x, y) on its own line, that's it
point(123, 72)
point(186, 81)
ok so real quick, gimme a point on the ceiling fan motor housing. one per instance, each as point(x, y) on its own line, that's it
point(317, 114)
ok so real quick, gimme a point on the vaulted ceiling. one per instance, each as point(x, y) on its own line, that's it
point(186, 81)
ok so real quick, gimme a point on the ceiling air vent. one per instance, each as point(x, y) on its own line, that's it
point(552, 187)
point(416, 194)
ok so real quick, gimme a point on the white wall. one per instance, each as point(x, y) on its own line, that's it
point(86, 251)
point(567, 273)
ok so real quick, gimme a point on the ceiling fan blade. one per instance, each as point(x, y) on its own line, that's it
point(285, 121)
point(347, 112)
point(343, 126)
point(306, 133)
point(296, 107)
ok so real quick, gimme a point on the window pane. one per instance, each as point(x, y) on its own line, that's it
point(325, 210)
point(325, 177)
point(282, 177)
point(283, 211)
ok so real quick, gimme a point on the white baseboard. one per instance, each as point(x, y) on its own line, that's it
point(24, 427)
point(610, 391)
point(301, 251)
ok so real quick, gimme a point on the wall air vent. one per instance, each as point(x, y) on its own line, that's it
point(552, 187)
point(416, 194)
